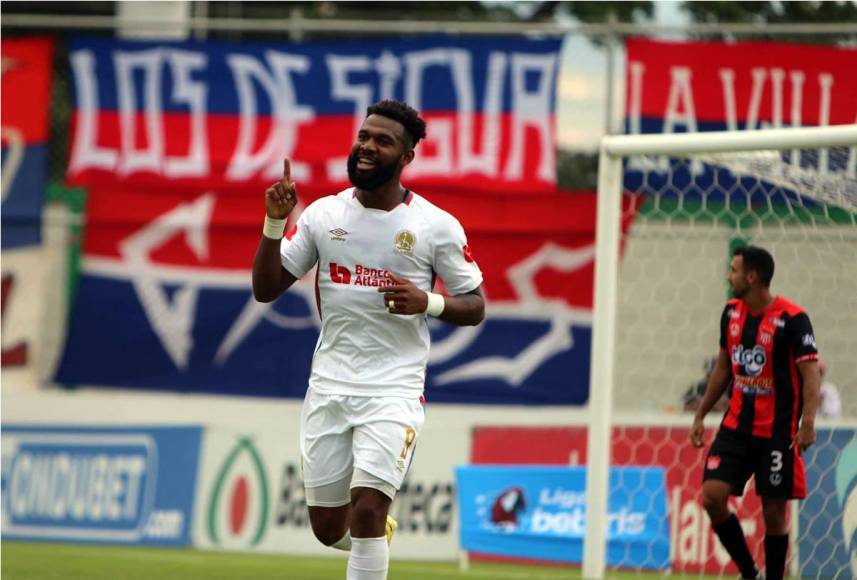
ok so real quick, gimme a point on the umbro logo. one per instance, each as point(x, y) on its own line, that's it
point(338, 234)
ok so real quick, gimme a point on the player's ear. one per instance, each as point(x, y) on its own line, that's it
point(752, 276)
point(407, 157)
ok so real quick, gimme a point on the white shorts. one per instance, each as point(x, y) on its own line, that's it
point(342, 432)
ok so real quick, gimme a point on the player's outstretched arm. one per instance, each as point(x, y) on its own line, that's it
point(270, 279)
point(403, 297)
point(717, 383)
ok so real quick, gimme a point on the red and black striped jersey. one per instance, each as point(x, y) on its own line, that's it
point(766, 398)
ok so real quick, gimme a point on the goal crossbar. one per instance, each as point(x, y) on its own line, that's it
point(719, 141)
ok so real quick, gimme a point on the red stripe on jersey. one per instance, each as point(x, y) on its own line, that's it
point(317, 295)
point(409, 197)
point(806, 357)
point(423, 400)
point(764, 403)
point(733, 339)
point(798, 476)
point(731, 419)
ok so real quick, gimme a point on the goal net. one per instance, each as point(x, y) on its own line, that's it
point(661, 286)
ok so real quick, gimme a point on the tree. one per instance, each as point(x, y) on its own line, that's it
point(774, 13)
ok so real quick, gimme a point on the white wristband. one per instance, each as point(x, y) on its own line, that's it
point(274, 228)
point(436, 304)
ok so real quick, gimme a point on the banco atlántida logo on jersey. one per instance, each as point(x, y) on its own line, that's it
point(237, 514)
point(753, 360)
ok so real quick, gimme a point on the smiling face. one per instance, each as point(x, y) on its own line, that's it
point(380, 153)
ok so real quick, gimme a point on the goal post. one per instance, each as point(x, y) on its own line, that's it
point(784, 197)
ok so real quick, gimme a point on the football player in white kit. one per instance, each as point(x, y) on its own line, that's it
point(378, 247)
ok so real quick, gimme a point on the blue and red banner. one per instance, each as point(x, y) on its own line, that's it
point(676, 87)
point(221, 115)
point(176, 143)
point(26, 79)
point(165, 302)
point(689, 87)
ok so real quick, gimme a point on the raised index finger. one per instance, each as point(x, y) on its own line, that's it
point(287, 169)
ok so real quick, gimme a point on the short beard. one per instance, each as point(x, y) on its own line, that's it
point(380, 176)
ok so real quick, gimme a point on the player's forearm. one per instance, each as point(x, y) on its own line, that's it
point(811, 390)
point(463, 310)
point(268, 273)
point(717, 383)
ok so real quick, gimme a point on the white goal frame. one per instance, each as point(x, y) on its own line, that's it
point(608, 232)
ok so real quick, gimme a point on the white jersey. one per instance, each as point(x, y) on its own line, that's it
point(363, 349)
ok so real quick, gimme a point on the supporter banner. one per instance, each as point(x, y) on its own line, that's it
point(827, 545)
point(693, 545)
point(26, 86)
point(106, 485)
point(222, 115)
point(166, 280)
point(251, 497)
point(27, 274)
point(540, 512)
point(675, 87)
point(678, 87)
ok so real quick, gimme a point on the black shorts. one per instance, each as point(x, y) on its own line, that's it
point(734, 457)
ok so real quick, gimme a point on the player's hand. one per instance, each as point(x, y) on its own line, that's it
point(697, 431)
point(403, 297)
point(805, 437)
point(281, 197)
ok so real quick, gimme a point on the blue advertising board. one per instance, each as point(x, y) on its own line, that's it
point(100, 484)
point(827, 523)
point(540, 512)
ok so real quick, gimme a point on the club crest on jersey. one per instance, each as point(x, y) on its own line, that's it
point(405, 242)
point(765, 339)
point(713, 462)
point(734, 330)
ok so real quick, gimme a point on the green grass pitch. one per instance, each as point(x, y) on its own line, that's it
point(36, 561)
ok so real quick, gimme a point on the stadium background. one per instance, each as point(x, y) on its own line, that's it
point(113, 345)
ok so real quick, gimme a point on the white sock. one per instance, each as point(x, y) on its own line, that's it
point(369, 559)
point(344, 542)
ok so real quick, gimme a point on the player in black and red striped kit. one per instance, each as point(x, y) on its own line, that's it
point(768, 356)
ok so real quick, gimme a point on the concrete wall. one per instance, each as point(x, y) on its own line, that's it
point(673, 289)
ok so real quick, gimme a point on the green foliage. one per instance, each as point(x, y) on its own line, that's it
point(776, 13)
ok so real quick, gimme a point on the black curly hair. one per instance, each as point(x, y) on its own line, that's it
point(400, 112)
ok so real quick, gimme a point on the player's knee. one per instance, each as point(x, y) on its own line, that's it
point(369, 510)
point(368, 514)
point(714, 502)
point(327, 535)
point(774, 515)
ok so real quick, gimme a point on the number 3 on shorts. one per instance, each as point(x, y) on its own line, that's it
point(410, 435)
point(776, 461)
